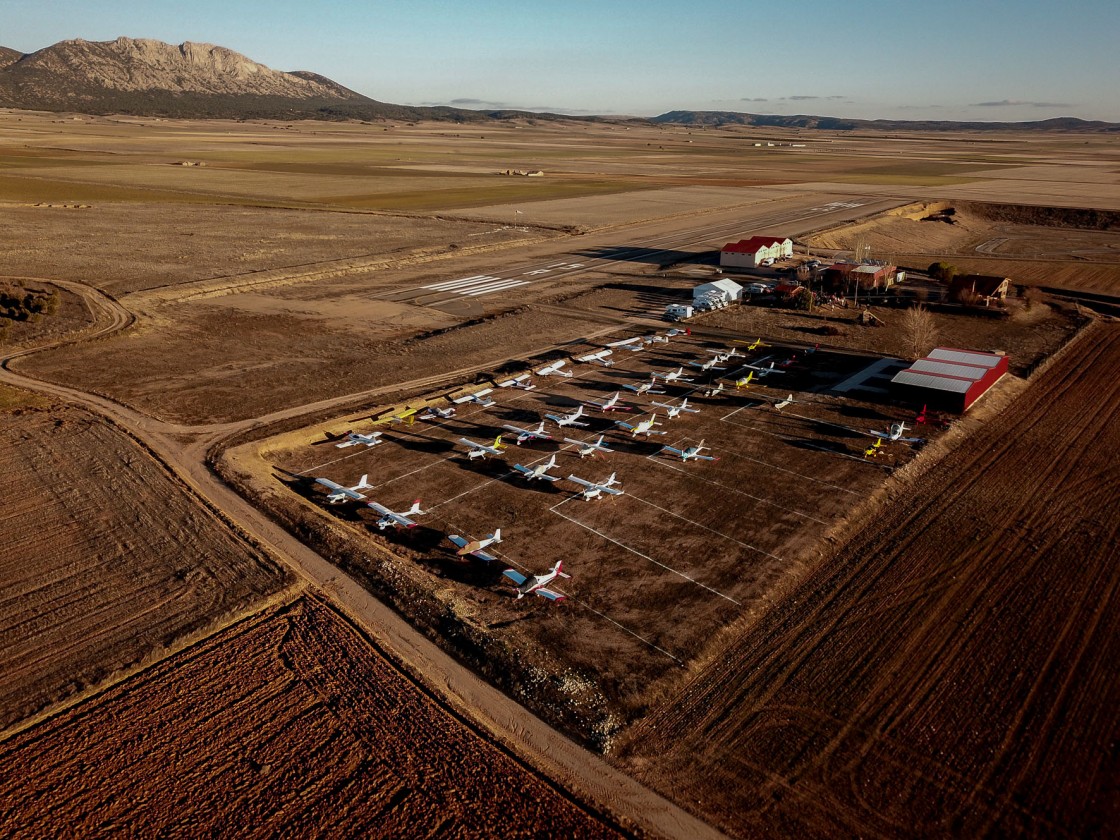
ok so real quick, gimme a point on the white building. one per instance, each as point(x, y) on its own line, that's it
point(753, 252)
point(729, 290)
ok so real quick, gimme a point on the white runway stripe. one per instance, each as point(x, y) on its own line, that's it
point(465, 281)
point(495, 287)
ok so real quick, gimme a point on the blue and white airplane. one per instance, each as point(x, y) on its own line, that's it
point(475, 547)
point(540, 471)
point(535, 584)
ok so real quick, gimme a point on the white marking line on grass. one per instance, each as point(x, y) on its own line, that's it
point(706, 528)
point(661, 462)
point(553, 509)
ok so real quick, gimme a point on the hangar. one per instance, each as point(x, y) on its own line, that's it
point(722, 291)
point(949, 379)
point(752, 252)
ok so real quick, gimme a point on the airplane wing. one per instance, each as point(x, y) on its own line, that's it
point(457, 540)
point(521, 469)
point(548, 477)
point(672, 449)
point(516, 577)
point(384, 511)
point(330, 485)
point(581, 481)
point(624, 425)
point(482, 555)
point(614, 491)
point(706, 457)
point(549, 594)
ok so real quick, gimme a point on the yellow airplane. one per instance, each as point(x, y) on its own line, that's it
point(758, 342)
point(874, 449)
point(745, 381)
point(482, 450)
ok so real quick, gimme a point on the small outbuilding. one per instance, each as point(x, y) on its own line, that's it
point(729, 290)
point(949, 379)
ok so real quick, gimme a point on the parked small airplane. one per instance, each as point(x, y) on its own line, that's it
point(595, 489)
point(474, 547)
point(713, 392)
point(393, 519)
point(601, 358)
point(672, 411)
point(408, 414)
point(874, 449)
point(645, 388)
point(524, 382)
point(655, 339)
point(765, 371)
point(535, 584)
point(895, 434)
point(355, 439)
point(539, 471)
point(643, 428)
point(691, 452)
point(722, 356)
point(341, 494)
point(434, 413)
point(634, 344)
point(478, 398)
point(672, 376)
point(568, 419)
point(758, 342)
point(780, 404)
point(612, 404)
point(744, 381)
point(587, 447)
point(711, 364)
point(789, 362)
point(528, 434)
point(482, 450)
point(554, 369)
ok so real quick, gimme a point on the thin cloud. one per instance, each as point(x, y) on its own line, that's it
point(800, 98)
point(755, 99)
point(1003, 103)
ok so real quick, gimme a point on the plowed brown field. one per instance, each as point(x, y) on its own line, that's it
point(289, 724)
point(952, 670)
point(104, 560)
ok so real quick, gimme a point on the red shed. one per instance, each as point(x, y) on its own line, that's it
point(950, 379)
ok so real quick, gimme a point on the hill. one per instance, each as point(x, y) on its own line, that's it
point(152, 78)
point(722, 118)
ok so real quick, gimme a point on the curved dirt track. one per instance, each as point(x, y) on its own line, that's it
point(952, 669)
point(184, 450)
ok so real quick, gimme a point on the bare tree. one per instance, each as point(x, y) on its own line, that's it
point(919, 331)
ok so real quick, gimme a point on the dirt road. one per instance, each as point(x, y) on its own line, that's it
point(184, 450)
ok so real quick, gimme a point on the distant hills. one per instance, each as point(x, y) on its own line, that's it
point(722, 118)
point(149, 78)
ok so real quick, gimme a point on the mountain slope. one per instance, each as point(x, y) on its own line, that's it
point(151, 78)
point(721, 118)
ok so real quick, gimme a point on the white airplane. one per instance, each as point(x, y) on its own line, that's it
point(482, 450)
point(355, 439)
point(713, 392)
point(764, 371)
point(554, 369)
point(568, 419)
point(434, 413)
point(478, 398)
point(895, 434)
point(722, 356)
point(587, 447)
point(539, 471)
point(524, 382)
point(393, 519)
point(595, 489)
point(643, 428)
point(656, 339)
point(711, 364)
point(602, 358)
point(645, 388)
point(609, 405)
point(474, 547)
point(535, 584)
point(780, 404)
point(691, 452)
point(672, 376)
point(634, 344)
point(341, 494)
point(528, 434)
point(672, 411)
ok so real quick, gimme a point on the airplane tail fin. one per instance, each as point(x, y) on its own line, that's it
point(498, 442)
point(363, 483)
point(557, 569)
point(497, 535)
point(551, 461)
point(415, 509)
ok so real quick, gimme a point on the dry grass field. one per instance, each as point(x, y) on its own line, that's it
point(289, 723)
point(107, 562)
point(951, 669)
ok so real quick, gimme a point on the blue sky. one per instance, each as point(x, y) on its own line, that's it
point(938, 59)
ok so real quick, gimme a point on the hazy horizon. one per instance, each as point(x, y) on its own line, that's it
point(867, 60)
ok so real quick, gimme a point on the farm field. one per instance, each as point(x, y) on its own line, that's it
point(656, 572)
point(107, 562)
point(289, 722)
point(950, 669)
